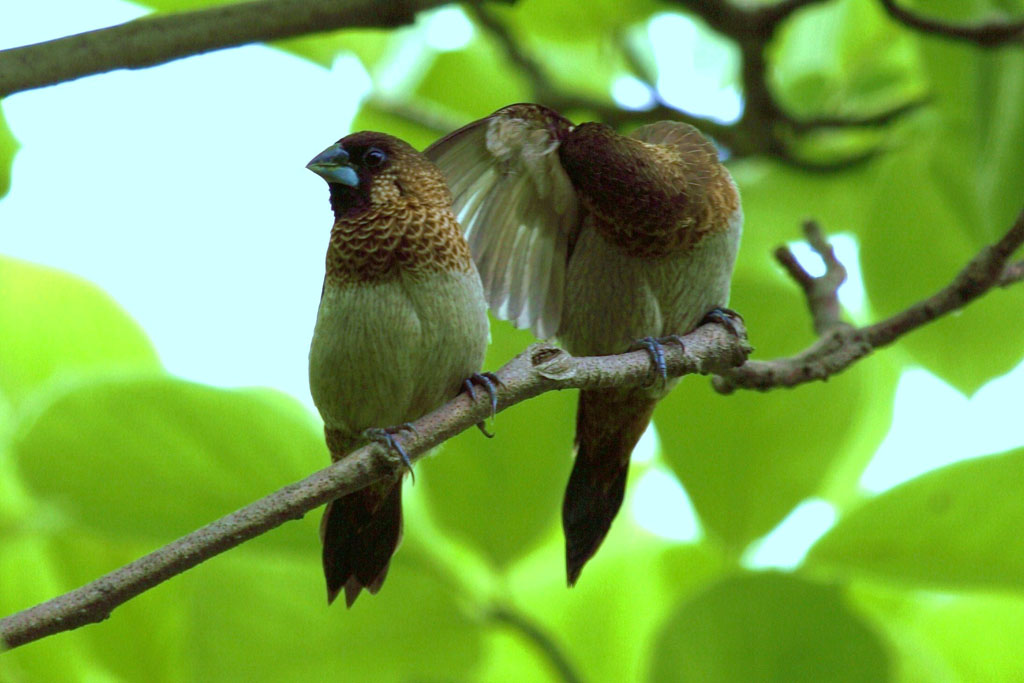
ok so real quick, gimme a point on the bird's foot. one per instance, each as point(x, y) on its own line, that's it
point(726, 317)
point(655, 348)
point(386, 437)
point(490, 382)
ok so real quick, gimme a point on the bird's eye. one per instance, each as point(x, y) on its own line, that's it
point(374, 157)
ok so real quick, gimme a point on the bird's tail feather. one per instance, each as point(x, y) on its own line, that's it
point(608, 426)
point(360, 532)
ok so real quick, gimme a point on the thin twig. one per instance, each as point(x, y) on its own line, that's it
point(822, 292)
point(841, 345)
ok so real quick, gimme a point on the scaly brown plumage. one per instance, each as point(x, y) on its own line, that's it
point(601, 240)
point(402, 324)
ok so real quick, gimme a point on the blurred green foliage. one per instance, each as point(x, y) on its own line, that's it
point(103, 456)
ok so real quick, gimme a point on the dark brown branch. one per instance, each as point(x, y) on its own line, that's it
point(163, 38)
point(541, 368)
point(734, 19)
point(840, 344)
point(878, 120)
point(783, 153)
point(989, 34)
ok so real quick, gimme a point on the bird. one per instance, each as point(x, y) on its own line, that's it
point(606, 242)
point(402, 326)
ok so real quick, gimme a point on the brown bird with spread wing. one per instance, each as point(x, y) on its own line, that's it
point(402, 325)
point(606, 242)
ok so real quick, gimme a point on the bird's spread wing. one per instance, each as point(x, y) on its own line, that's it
point(517, 208)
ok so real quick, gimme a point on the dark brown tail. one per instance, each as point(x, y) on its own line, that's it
point(360, 533)
point(608, 425)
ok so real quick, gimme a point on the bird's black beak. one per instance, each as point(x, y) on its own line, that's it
point(333, 165)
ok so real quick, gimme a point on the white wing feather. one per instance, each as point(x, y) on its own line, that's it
point(518, 211)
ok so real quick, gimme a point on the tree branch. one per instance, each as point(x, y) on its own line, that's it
point(541, 368)
point(822, 292)
point(158, 39)
point(990, 34)
point(841, 344)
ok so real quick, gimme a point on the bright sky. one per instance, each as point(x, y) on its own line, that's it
point(214, 239)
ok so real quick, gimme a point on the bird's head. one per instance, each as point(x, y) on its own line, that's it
point(370, 170)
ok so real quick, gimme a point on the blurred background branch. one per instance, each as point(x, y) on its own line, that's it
point(986, 34)
point(766, 128)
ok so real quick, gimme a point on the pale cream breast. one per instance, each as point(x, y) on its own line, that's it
point(389, 352)
point(615, 298)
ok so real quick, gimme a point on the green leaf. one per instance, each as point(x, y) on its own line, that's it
point(502, 494)
point(956, 187)
point(947, 637)
point(570, 23)
point(80, 557)
point(748, 458)
point(495, 83)
point(581, 67)
point(265, 618)
point(29, 575)
point(118, 467)
point(969, 347)
point(369, 45)
point(508, 657)
point(320, 48)
point(869, 66)
point(958, 526)
point(767, 627)
point(58, 326)
point(605, 624)
point(149, 459)
point(977, 636)
point(8, 147)
point(255, 614)
point(372, 117)
point(777, 200)
point(185, 5)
